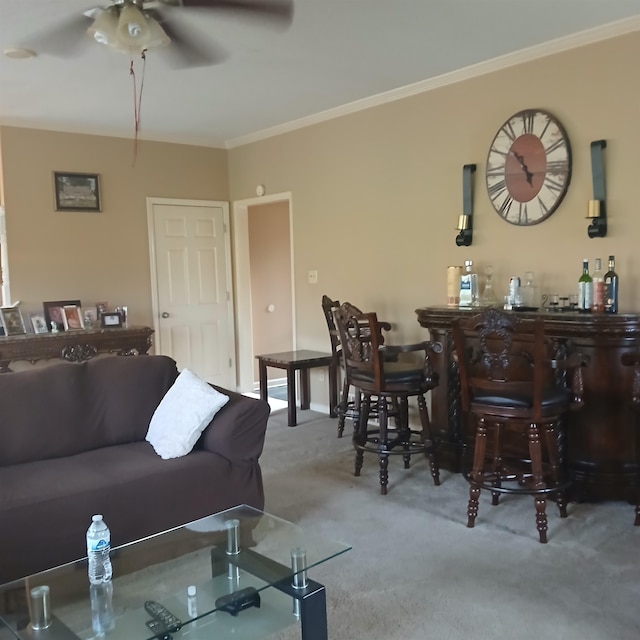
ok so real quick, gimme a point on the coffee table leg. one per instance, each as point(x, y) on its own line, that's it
point(291, 396)
point(262, 373)
point(313, 614)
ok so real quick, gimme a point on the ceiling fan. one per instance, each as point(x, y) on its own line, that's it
point(135, 26)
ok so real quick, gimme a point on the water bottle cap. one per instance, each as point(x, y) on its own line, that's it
point(191, 591)
point(96, 518)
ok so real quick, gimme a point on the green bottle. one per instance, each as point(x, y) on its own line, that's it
point(611, 287)
point(585, 288)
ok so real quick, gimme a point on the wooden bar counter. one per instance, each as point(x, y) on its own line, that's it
point(73, 346)
point(603, 438)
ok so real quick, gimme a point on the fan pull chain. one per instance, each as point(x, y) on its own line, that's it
point(137, 102)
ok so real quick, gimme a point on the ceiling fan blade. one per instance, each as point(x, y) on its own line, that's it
point(281, 10)
point(64, 39)
point(188, 49)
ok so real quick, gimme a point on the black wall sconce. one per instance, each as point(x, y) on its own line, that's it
point(465, 221)
point(597, 211)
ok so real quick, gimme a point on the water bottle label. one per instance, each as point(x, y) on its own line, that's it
point(100, 545)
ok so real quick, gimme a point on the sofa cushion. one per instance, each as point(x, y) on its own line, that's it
point(182, 415)
point(138, 493)
point(125, 391)
point(67, 408)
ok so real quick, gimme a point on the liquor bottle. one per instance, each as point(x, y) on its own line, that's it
point(468, 286)
point(585, 288)
point(598, 288)
point(611, 287)
point(488, 297)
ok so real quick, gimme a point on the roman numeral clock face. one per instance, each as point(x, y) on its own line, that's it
point(529, 167)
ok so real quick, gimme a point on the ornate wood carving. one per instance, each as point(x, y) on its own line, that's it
point(73, 346)
point(79, 352)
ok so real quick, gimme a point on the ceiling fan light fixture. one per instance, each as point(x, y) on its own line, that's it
point(133, 29)
point(157, 36)
point(105, 27)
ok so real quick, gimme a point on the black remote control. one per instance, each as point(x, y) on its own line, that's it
point(158, 629)
point(163, 615)
point(239, 601)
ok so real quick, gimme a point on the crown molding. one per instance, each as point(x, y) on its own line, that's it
point(535, 52)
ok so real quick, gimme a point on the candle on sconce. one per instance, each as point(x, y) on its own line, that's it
point(463, 222)
point(593, 210)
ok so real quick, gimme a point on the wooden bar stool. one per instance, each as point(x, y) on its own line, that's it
point(391, 384)
point(512, 392)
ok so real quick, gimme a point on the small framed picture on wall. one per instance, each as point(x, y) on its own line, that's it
point(76, 191)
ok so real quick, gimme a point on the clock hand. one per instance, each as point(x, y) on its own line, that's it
point(523, 166)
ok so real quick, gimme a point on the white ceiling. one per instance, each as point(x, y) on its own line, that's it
point(334, 53)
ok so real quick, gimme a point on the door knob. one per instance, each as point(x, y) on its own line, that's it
point(166, 315)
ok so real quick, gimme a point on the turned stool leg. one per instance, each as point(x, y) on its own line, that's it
point(383, 445)
point(551, 443)
point(343, 407)
point(538, 481)
point(361, 418)
point(429, 440)
point(477, 472)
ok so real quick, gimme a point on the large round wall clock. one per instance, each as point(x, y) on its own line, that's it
point(529, 167)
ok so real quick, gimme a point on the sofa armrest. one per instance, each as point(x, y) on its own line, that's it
point(238, 430)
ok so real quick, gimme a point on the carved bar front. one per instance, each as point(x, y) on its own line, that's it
point(603, 448)
point(74, 346)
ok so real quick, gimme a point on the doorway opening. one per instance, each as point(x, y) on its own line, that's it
point(263, 270)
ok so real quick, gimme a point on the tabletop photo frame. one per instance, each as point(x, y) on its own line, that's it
point(76, 191)
point(12, 321)
point(72, 317)
point(54, 311)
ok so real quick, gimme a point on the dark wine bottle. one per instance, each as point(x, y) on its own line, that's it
point(611, 287)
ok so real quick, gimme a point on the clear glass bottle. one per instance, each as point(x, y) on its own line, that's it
point(585, 288)
point(611, 287)
point(529, 291)
point(469, 286)
point(488, 297)
point(598, 288)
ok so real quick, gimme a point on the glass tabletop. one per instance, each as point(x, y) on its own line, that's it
point(202, 573)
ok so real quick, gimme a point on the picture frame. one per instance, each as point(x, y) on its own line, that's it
point(54, 311)
point(76, 191)
point(90, 317)
point(73, 319)
point(12, 321)
point(38, 323)
point(111, 320)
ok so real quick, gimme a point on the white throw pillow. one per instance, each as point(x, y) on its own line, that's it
point(182, 415)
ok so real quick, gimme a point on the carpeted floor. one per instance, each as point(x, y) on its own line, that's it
point(416, 571)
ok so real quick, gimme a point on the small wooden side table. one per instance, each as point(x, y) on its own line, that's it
point(301, 361)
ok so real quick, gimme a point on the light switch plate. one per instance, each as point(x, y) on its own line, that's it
point(313, 277)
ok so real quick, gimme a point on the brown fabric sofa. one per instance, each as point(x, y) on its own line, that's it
point(72, 443)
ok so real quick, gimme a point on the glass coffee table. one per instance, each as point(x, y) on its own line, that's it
point(238, 574)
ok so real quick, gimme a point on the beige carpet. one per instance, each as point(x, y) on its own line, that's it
point(416, 571)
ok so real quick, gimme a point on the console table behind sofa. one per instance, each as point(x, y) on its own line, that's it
point(73, 346)
point(602, 448)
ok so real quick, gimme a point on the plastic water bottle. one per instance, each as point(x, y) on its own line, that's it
point(98, 549)
point(102, 618)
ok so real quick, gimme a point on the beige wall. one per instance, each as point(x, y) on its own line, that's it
point(94, 256)
point(376, 195)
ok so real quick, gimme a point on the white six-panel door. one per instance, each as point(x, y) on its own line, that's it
point(191, 278)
